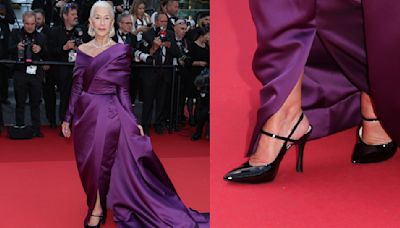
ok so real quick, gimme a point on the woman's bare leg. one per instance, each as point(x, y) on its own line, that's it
point(281, 123)
point(97, 211)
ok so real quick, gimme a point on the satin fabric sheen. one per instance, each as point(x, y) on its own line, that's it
point(326, 40)
point(112, 157)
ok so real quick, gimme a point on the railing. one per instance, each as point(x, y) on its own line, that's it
point(175, 89)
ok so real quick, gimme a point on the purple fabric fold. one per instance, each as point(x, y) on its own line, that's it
point(112, 157)
point(295, 36)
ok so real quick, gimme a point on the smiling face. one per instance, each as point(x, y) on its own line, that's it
point(102, 21)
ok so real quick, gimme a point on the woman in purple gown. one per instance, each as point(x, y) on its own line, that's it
point(312, 58)
point(116, 164)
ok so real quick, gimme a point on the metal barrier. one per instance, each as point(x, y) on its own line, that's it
point(175, 87)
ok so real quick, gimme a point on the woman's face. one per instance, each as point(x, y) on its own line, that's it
point(102, 21)
point(140, 10)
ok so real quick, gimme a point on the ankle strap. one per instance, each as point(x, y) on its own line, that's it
point(290, 135)
point(369, 119)
point(98, 216)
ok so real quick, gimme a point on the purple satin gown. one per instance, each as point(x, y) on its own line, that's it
point(326, 40)
point(112, 157)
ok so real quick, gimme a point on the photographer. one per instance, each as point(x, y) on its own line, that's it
point(28, 45)
point(6, 17)
point(64, 41)
point(160, 43)
point(183, 61)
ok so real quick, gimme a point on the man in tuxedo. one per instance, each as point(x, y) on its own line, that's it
point(7, 17)
point(64, 40)
point(160, 43)
point(28, 45)
point(124, 36)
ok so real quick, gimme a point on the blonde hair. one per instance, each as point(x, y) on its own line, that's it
point(102, 4)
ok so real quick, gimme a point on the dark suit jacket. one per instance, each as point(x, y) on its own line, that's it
point(17, 36)
point(171, 52)
point(58, 38)
point(131, 39)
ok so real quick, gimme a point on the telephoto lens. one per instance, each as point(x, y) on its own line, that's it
point(28, 50)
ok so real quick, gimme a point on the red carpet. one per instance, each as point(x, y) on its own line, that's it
point(332, 192)
point(40, 186)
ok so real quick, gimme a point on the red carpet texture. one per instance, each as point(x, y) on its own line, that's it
point(40, 186)
point(332, 192)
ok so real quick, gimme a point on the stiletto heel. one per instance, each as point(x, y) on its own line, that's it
point(266, 173)
point(365, 153)
point(300, 152)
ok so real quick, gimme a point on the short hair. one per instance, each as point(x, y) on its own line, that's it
point(102, 4)
point(68, 8)
point(106, 5)
point(159, 14)
point(36, 11)
point(28, 13)
point(122, 16)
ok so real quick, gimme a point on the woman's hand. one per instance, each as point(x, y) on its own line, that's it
point(141, 130)
point(65, 129)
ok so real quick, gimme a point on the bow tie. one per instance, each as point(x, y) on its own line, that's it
point(121, 34)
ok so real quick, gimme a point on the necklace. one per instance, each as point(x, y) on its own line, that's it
point(101, 46)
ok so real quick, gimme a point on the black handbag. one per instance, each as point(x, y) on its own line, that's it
point(20, 132)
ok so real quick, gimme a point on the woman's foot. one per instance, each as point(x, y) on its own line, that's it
point(373, 133)
point(373, 144)
point(280, 124)
point(95, 219)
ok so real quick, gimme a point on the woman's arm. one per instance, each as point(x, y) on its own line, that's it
point(75, 93)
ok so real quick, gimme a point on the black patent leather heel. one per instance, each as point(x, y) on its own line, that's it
point(266, 173)
point(365, 153)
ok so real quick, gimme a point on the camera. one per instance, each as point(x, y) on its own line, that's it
point(143, 57)
point(77, 36)
point(162, 33)
point(184, 60)
point(202, 82)
point(26, 53)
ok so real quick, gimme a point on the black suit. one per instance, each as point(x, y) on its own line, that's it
point(157, 81)
point(4, 39)
point(130, 39)
point(25, 82)
point(58, 38)
point(49, 93)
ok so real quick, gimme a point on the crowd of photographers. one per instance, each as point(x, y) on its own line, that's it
point(161, 44)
